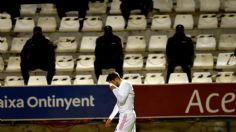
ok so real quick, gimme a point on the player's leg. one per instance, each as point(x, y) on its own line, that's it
point(126, 123)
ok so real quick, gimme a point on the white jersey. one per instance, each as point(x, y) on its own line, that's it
point(125, 98)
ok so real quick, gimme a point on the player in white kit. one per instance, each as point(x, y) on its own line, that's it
point(124, 93)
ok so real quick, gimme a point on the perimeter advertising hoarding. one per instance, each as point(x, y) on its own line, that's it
point(97, 101)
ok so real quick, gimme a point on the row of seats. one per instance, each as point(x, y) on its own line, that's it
point(160, 5)
point(131, 62)
point(135, 22)
point(134, 78)
point(70, 44)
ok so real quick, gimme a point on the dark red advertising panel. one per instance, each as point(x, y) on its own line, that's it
point(185, 100)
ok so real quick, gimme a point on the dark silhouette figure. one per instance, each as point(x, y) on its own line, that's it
point(38, 53)
point(12, 7)
point(108, 52)
point(180, 52)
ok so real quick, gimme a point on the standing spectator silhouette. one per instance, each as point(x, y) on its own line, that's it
point(12, 7)
point(128, 5)
point(108, 52)
point(38, 53)
point(180, 52)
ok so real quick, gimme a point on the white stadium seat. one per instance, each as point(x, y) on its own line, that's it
point(185, 6)
point(102, 79)
point(133, 78)
point(226, 60)
point(3, 45)
point(116, 22)
point(206, 42)
point(92, 23)
point(69, 24)
point(13, 64)
point(83, 80)
point(229, 5)
point(97, 7)
point(209, 5)
point(203, 61)
point(154, 78)
point(177, 78)
point(137, 22)
point(64, 63)
point(1, 64)
point(225, 77)
point(157, 43)
point(115, 7)
point(135, 43)
point(61, 80)
point(14, 81)
point(202, 77)
point(48, 24)
point(5, 22)
point(207, 21)
point(18, 44)
point(37, 81)
point(66, 44)
point(185, 19)
point(155, 62)
point(133, 62)
point(163, 5)
point(48, 9)
point(24, 24)
point(228, 20)
point(161, 22)
point(88, 43)
point(227, 42)
point(28, 9)
point(85, 63)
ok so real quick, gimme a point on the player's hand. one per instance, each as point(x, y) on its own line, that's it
point(112, 86)
point(108, 123)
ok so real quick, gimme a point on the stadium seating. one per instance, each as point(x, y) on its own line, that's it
point(61, 80)
point(133, 78)
point(226, 61)
point(48, 24)
point(37, 81)
point(155, 62)
point(202, 77)
point(161, 22)
point(185, 19)
point(5, 22)
point(163, 5)
point(157, 43)
point(1, 64)
point(69, 24)
point(225, 77)
point(203, 61)
point(177, 78)
point(83, 80)
point(18, 44)
point(227, 42)
point(88, 43)
point(28, 9)
point(135, 44)
point(14, 81)
point(137, 22)
point(133, 62)
point(207, 21)
point(228, 20)
point(13, 64)
point(66, 44)
point(47, 9)
point(206, 42)
point(209, 5)
point(117, 22)
point(85, 63)
point(154, 78)
point(92, 23)
point(3, 45)
point(185, 6)
point(64, 63)
point(229, 5)
point(24, 24)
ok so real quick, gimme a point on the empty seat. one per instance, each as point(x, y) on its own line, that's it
point(66, 44)
point(202, 77)
point(28, 9)
point(115, 7)
point(48, 9)
point(226, 60)
point(61, 80)
point(1, 64)
point(161, 22)
point(3, 45)
point(24, 24)
point(229, 5)
point(64, 63)
point(185, 6)
point(157, 43)
point(92, 23)
point(225, 77)
point(227, 42)
point(228, 20)
point(83, 80)
point(69, 24)
point(206, 42)
point(135, 43)
point(18, 44)
point(209, 5)
point(133, 78)
point(203, 61)
point(137, 22)
point(185, 19)
point(88, 43)
point(85, 63)
point(102, 79)
point(48, 24)
point(116, 22)
point(155, 62)
point(5, 22)
point(37, 81)
point(176, 78)
point(163, 5)
point(97, 7)
point(14, 81)
point(133, 62)
point(206, 21)
point(13, 64)
point(154, 78)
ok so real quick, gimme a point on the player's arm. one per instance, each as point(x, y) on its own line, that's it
point(111, 117)
point(122, 93)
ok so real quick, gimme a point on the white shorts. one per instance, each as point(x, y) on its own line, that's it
point(126, 122)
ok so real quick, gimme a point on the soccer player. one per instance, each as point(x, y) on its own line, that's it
point(124, 93)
